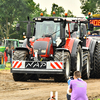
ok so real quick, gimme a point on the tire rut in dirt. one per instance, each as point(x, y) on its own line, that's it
point(60, 57)
point(97, 61)
point(86, 65)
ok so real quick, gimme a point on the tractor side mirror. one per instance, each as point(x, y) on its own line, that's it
point(75, 27)
point(91, 27)
point(17, 26)
point(64, 23)
point(28, 30)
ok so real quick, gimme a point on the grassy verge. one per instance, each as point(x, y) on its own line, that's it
point(8, 66)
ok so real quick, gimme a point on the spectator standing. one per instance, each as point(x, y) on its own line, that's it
point(78, 87)
point(68, 94)
point(6, 55)
point(10, 54)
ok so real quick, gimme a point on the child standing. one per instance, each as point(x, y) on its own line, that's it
point(68, 94)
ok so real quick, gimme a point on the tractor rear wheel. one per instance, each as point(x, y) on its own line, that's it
point(76, 60)
point(63, 56)
point(97, 61)
point(86, 65)
point(21, 55)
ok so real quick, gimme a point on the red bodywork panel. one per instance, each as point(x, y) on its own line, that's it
point(69, 44)
point(47, 39)
point(88, 40)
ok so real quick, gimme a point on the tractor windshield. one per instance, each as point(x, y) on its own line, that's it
point(74, 34)
point(11, 43)
point(47, 28)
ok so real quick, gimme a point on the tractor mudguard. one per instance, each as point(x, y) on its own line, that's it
point(85, 48)
point(21, 48)
point(74, 48)
point(61, 49)
point(92, 49)
point(74, 52)
point(69, 44)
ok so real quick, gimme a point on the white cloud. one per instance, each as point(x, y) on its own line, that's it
point(73, 5)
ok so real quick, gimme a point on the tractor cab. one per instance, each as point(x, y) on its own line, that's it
point(50, 33)
point(81, 32)
point(49, 27)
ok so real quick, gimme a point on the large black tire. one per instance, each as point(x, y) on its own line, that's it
point(1, 58)
point(19, 77)
point(34, 77)
point(86, 65)
point(22, 55)
point(63, 56)
point(78, 60)
point(97, 61)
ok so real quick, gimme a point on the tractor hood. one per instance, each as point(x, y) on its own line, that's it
point(43, 46)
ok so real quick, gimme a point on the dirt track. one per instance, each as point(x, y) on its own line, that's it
point(40, 90)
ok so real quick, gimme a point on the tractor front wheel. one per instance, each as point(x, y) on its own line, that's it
point(86, 65)
point(22, 55)
point(65, 57)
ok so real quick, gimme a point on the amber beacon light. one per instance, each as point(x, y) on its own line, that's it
point(41, 14)
point(66, 14)
point(54, 13)
point(89, 13)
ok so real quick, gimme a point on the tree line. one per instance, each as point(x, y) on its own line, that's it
point(12, 11)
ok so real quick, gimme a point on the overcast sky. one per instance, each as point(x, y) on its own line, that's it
point(73, 5)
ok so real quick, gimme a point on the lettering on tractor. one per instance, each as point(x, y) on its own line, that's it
point(37, 65)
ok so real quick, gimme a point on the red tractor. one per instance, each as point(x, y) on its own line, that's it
point(94, 47)
point(54, 52)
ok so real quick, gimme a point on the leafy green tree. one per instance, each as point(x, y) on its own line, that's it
point(70, 14)
point(58, 10)
point(11, 10)
point(92, 6)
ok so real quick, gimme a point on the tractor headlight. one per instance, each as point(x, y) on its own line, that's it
point(35, 50)
point(43, 51)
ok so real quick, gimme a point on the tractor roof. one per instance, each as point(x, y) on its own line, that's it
point(78, 19)
point(56, 19)
point(59, 19)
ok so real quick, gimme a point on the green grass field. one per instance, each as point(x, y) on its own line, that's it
point(8, 66)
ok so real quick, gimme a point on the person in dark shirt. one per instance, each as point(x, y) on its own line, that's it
point(10, 54)
point(6, 55)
